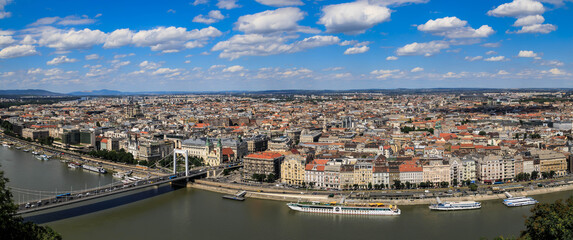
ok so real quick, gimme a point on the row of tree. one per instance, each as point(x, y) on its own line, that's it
point(114, 156)
point(407, 129)
point(264, 177)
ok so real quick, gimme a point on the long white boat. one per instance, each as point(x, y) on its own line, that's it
point(94, 169)
point(453, 206)
point(346, 208)
point(519, 201)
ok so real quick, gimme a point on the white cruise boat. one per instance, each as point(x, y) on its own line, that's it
point(94, 169)
point(453, 206)
point(348, 208)
point(519, 201)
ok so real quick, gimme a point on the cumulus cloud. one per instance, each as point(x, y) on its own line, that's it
point(3, 12)
point(280, 20)
point(495, 59)
point(170, 39)
point(198, 2)
point(356, 50)
point(538, 28)
point(212, 17)
point(529, 20)
point(353, 17)
point(396, 2)
point(228, 4)
point(18, 51)
point(551, 63)
point(556, 71)
point(6, 40)
point(92, 57)
point(492, 45)
point(417, 69)
point(453, 27)
point(527, 54)
point(427, 49)
point(235, 68)
point(471, 59)
point(60, 60)
point(391, 58)
point(518, 8)
point(71, 39)
point(65, 21)
point(502, 72)
point(383, 74)
point(261, 45)
point(281, 3)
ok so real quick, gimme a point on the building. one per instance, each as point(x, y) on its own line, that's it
point(292, 170)
point(262, 163)
point(201, 147)
point(410, 171)
point(363, 170)
point(493, 168)
point(332, 176)
point(258, 143)
point(381, 176)
point(436, 172)
point(35, 134)
point(551, 161)
point(310, 136)
point(282, 143)
point(314, 173)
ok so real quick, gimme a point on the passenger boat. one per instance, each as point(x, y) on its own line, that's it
point(453, 206)
point(346, 208)
point(519, 201)
point(94, 169)
point(74, 165)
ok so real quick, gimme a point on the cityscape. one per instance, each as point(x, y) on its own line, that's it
point(400, 119)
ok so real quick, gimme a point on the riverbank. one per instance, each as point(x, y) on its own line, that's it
point(293, 196)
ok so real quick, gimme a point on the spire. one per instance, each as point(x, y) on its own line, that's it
point(219, 143)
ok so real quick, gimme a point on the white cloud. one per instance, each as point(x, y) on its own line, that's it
point(396, 2)
point(92, 57)
point(538, 28)
point(383, 74)
point(198, 2)
point(427, 49)
point(417, 69)
point(391, 58)
point(527, 54)
point(118, 38)
point(502, 72)
point(496, 59)
point(490, 53)
point(279, 20)
point(557, 3)
point(471, 59)
point(453, 27)
point(212, 17)
point(170, 39)
point(529, 20)
point(147, 65)
point(6, 40)
point(227, 4)
point(261, 45)
point(356, 50)
point(353, 17)
point(72, 39)
point(235, 68)
point(65, 21)
point(28, 40)
point(60, 60)
point(518, 8)
point(492, 45)
point(556, 71)
point(281, 3)
point(552, 63)
point(3, 13)
point(18, 51)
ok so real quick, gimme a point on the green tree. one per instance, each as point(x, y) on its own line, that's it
point(482, 133)
point(534, 175)
point(550, 221)
point(397, 184)
point(408, 185)
point(369, 185)
point(455, 182)
point(13, 226)
point(551, 174)
point(545, 175)
point(473, 187)
point(271, 177)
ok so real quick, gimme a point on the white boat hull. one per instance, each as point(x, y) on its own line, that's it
point(343, 210)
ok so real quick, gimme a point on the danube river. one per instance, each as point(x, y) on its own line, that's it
point(194, 214)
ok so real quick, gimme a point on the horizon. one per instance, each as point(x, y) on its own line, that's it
point(273, 45)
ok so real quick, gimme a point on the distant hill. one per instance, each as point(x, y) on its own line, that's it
point(102, 92)
point(29, 92)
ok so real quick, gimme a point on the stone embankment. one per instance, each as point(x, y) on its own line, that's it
point(293, 195)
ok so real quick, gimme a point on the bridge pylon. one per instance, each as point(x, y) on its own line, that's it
point(184, 153)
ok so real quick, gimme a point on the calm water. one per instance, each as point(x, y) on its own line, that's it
point(195, 214)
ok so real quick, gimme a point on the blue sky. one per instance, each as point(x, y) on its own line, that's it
point(212, 45)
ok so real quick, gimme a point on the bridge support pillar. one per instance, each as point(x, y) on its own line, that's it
point(184, 153)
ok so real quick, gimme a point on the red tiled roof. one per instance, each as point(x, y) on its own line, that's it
point(264, 155)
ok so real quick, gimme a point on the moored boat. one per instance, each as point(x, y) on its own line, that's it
point(519, 201)
point(94, 169)
point(453, 206)
point(346, 208)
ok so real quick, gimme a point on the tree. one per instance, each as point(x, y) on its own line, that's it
point(550, 221)
point(482, 133)
point(271, 177)
point(545, 175)
point(369, 185)
point(397, 184)
point(13, 226)
point(534, 175)
point(408, 185)
point(444, 184)
point(455, 182)
point(473, 187)
point(516, 136)
point(551, 174)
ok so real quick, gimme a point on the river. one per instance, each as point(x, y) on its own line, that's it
point(194, 214)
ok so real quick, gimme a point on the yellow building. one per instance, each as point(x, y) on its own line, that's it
point(552, 161)
point(292, 169)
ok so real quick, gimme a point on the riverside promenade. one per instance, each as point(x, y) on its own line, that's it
point(290, 195)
